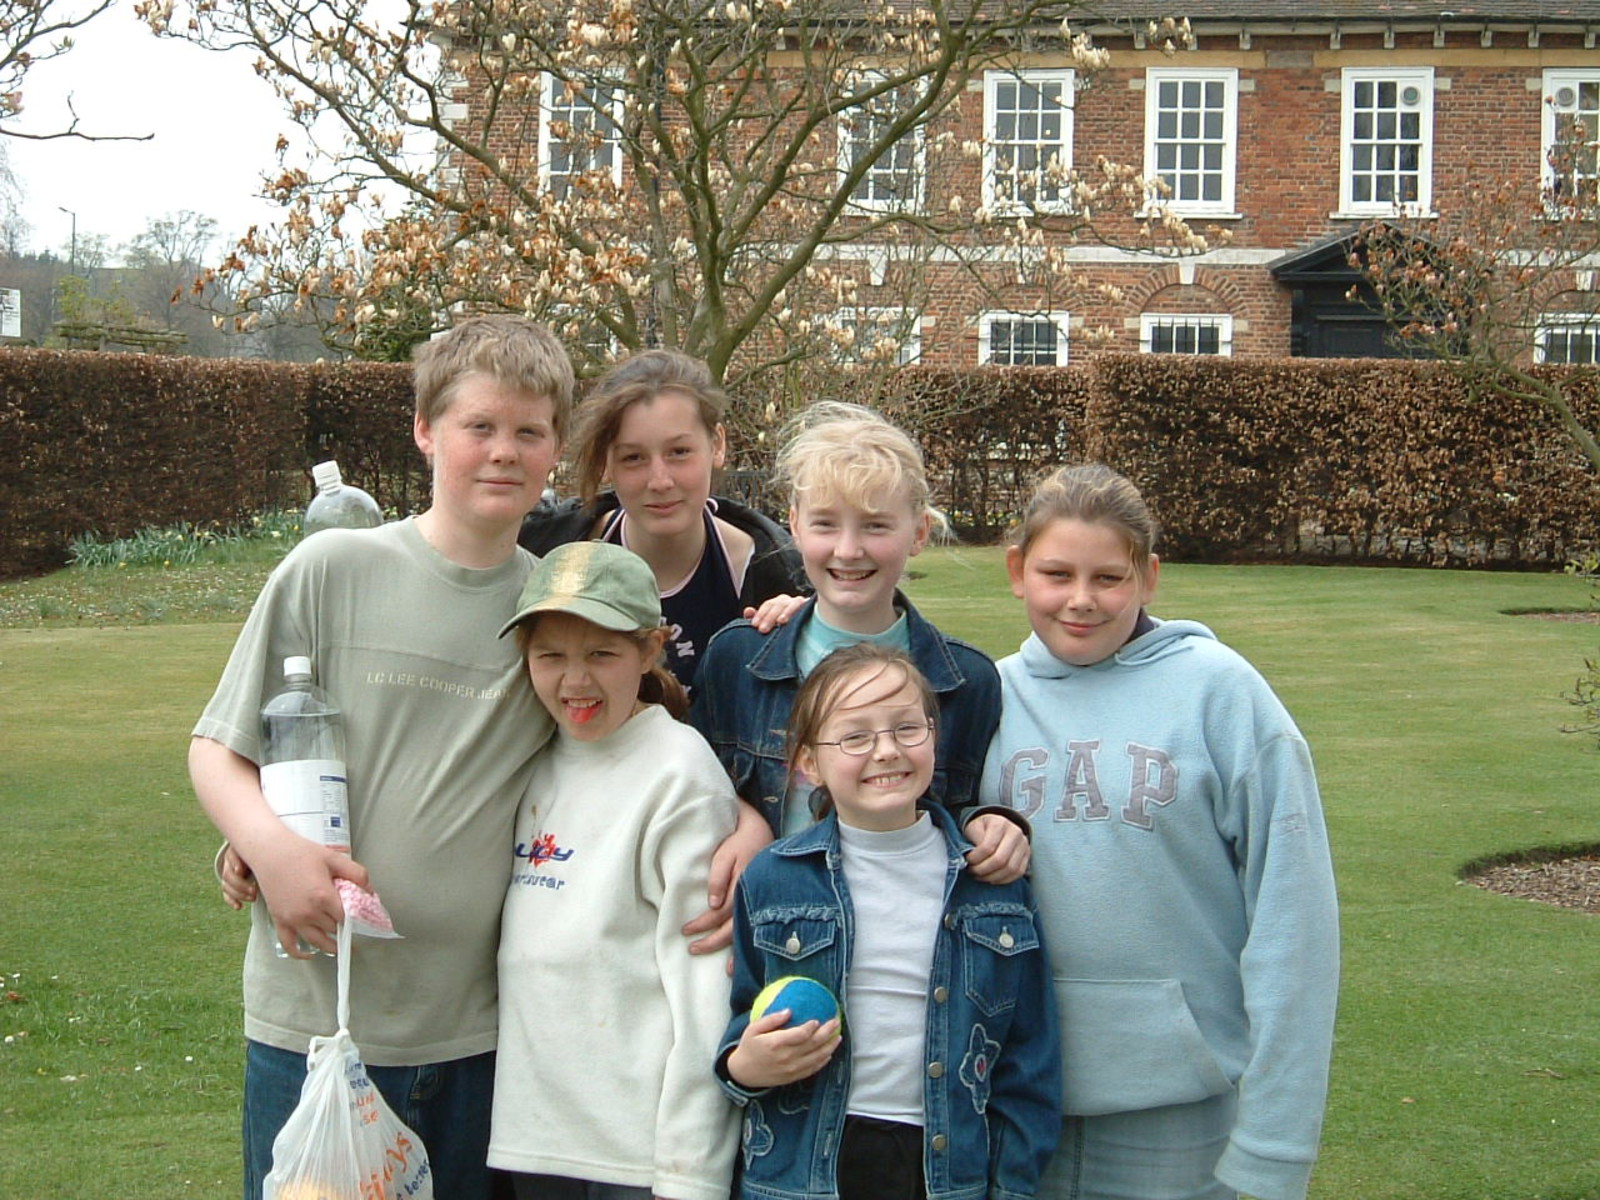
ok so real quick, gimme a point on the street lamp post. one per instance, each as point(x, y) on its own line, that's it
point(73, 252)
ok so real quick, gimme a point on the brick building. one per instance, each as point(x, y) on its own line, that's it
point(1289, 124)
point(1286, 126)
point(1278, 130)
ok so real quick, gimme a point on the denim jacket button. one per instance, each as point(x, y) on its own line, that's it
point(939, 1141)
point(936, 1070)
point(1006, 940)
point(949, 920)
point(793, 944)
point(941, 994)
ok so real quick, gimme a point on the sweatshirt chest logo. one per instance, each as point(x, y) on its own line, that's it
point(542, 849)
point(1028, 783)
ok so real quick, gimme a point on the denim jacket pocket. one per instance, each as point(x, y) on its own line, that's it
point(800, 939)
point(993, 939)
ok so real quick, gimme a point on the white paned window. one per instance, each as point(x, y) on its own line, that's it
point(579, 134)
point(878, 335)
point(1571, 134)
point(1568, 338)
point(893, 183)
point(1386, 143)
point(1185, 333)
point(1027, 129)
point(1011, 339)
point(1191, 136)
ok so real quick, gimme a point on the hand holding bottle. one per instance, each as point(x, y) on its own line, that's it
point(299, 883)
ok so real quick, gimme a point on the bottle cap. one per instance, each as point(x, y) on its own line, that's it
point(296, 664)
point(326, 475)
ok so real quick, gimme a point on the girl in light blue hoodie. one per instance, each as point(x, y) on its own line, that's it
point(1180, 865)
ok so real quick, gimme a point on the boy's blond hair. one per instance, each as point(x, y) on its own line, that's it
point(513, 351)
point(850, 453)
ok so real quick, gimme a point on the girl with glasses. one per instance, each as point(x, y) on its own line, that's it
point(942, 1074)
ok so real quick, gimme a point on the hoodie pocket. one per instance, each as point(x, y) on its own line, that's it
point(1132, 1044)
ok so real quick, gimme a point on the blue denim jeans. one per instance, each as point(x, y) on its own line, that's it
point(446, 1105)
point(1159, 1154)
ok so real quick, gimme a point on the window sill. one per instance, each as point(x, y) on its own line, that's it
point(1196, 214)
point(1379, 214)
point(1010, 212)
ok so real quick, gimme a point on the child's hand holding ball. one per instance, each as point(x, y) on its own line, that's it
point(806, 1000)
point(794, 1030)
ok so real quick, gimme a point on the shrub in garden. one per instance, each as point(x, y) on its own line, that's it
point(109, 444)
point(1242, 459)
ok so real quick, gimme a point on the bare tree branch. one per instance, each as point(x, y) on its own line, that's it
point(32, 32)
point(1505, 282)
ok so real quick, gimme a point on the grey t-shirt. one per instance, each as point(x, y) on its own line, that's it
point(441, 726)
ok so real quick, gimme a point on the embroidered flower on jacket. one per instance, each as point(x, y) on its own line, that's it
point(978, 1066)
point(757, 1133)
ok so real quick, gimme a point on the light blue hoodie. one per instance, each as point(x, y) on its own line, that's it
point(1181, 869)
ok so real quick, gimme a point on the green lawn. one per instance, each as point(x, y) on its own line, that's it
point(1468, 1056)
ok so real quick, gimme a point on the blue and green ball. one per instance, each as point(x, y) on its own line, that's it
point(806, 1000)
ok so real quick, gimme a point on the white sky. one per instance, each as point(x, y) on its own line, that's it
point(215, 124)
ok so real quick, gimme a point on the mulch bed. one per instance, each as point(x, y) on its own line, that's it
point(1569, 882)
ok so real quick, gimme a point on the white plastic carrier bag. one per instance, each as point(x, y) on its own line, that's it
point(343, 1142)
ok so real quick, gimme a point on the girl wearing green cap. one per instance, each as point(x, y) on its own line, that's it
point(605, 1023)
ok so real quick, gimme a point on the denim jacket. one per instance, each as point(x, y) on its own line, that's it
point(747, 684)
point(992, 1090)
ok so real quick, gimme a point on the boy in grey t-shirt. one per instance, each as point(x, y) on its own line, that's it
point(400, 622)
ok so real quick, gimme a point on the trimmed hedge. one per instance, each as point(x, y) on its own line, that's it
point(985, 435)
point(1315, 460)
point(1247, 459)
point(112, 443)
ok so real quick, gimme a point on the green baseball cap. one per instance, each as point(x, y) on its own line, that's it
point(598, 581)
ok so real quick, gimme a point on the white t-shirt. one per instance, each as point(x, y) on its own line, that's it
point(896, 879)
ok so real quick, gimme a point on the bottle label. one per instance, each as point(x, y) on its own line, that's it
point(308, 794)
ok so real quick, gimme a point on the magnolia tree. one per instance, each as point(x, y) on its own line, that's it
point(32, 31)
point(1505, 282)
point(769, 184)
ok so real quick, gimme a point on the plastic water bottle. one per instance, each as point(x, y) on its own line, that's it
point(302, 759)
point(337, 504)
